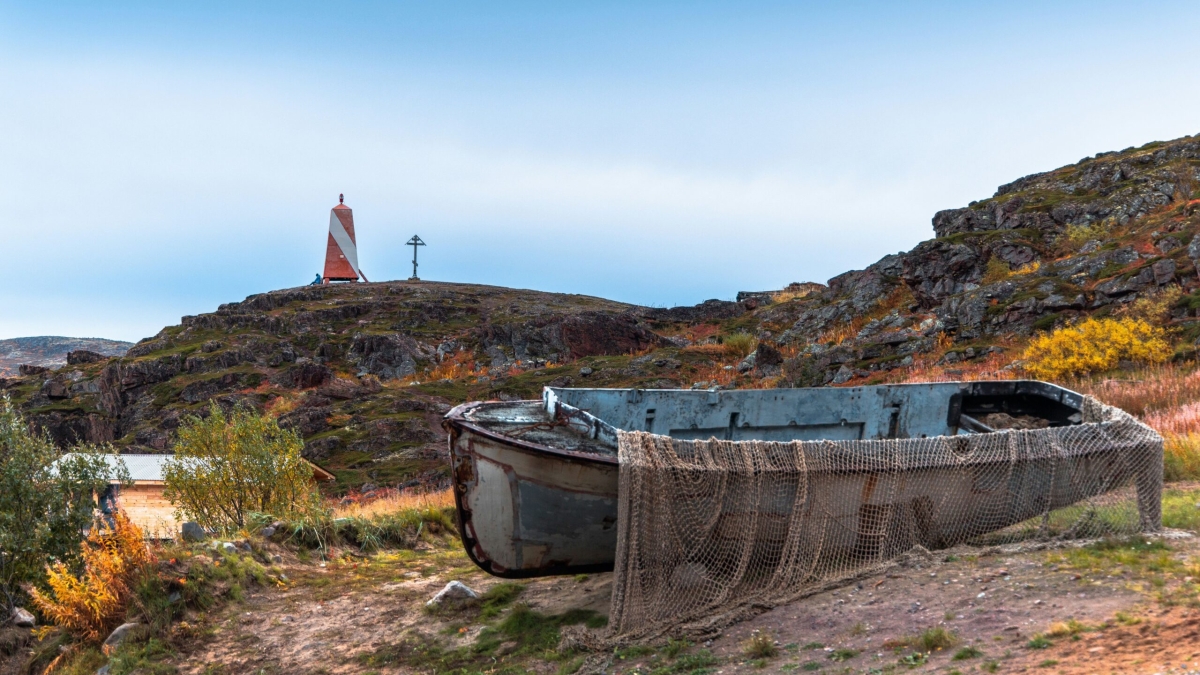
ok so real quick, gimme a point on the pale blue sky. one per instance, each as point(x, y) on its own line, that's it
point(156, 162)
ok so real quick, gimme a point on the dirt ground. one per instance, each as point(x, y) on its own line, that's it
point(1111, 617)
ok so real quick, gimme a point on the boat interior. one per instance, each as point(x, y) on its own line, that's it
point(586, 420)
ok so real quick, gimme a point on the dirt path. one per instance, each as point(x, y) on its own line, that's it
point(1105, 611)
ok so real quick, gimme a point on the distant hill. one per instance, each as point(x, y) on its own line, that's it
point(51, 351)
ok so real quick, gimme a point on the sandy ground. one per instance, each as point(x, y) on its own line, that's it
point(328, 617)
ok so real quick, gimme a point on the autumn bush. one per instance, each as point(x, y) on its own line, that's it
point(90, 603)
point(1095, 345)
point(47, 498)
point(229, 466)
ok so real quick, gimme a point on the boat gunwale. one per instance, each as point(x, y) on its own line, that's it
point(456, 417)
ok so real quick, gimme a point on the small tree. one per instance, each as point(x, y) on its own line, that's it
point(229, 466)
point(47, 500)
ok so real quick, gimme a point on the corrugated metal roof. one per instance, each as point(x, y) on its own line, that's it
point(140, 467)
point(150, 467)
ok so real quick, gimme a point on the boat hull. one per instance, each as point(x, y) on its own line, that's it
point(525, 511)
point(529, 506)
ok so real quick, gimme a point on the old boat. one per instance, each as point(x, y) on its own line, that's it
point(536, 481)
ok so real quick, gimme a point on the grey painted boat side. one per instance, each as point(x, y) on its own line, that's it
point(536, 482)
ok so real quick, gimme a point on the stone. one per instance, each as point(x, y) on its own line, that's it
point(191, 531)
point(26, 369)
point(268, 532)
point(118, 636)
point(229, 548)
point(746, 364)
point(104, 670)
point(22, 618)
point(1164, 271)
point(843, 375)
point(1193, 250)
point(454, 592)
point(585, 371)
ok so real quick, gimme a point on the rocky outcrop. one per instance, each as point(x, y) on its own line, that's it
point(1110, 186)
point(389, 357)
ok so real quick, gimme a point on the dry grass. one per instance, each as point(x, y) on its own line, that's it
point(1158, 389)
point(710, 350)
point(392, 501)
point(1168, 399)
point(715, 374)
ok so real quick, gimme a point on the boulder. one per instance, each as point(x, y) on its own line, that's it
point(191, 531)
point(27, 369)
point(22, 618)
point(453, 593)
point(118, 636)
point(1164, 271)
point(55, 389)
point(81, 356)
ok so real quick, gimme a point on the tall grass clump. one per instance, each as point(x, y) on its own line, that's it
point(740, 345)
point(1094, 346)
point(397, 520)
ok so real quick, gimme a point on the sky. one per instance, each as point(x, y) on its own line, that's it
point(159, 159)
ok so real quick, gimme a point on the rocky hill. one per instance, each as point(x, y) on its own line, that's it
point(51, 351)
point(365, 371)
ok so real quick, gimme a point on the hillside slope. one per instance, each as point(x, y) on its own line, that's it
point(365, 371)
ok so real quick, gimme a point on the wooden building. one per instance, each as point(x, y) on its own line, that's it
point(143, 501)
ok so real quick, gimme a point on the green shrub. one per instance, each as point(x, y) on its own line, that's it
point(229, 466)
point(47, 500)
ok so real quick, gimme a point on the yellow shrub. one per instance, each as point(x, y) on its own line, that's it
point(93, 603)
point(1095, 345)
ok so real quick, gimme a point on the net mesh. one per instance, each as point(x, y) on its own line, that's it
point(711, 530)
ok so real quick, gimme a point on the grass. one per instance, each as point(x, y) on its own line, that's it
point(930, 640)
point(843, 654)
point(760, 645)
point(967, 653)
point(1039, 641)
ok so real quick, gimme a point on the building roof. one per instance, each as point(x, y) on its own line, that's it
point(149, 468)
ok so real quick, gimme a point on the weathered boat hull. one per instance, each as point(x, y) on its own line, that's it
point(537, 495)
point(526, 512)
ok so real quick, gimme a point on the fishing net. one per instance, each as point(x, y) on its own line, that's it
point(711, 530)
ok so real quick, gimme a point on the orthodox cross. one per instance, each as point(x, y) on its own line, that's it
point(415, 242)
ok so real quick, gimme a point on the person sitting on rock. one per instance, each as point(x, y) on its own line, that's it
point(317, 281)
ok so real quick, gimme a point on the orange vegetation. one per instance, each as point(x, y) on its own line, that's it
point(392, 501)
point(92, 603)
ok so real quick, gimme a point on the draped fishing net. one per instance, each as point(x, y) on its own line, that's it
point(709, 531)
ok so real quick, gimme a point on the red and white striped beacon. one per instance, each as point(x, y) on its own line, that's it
point(341, 251)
